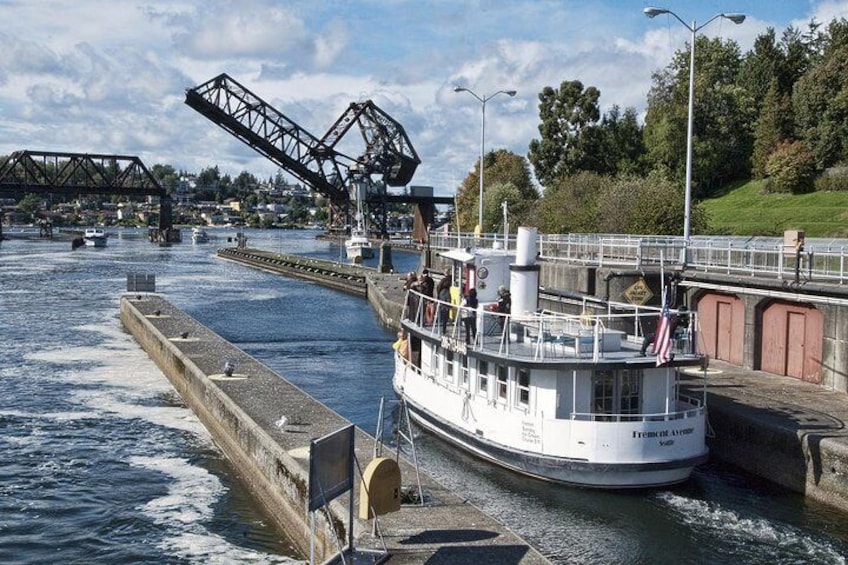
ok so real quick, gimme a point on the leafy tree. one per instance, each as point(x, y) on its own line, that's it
point(245, 182)
point(518, 207)
point(166, 175)
point(624, 144)
point(565, 113)
point(723, 124)
point(501, 167)
point(570, 204)
point(791, 168)
point(208, 179)
point(652, 205)
point(30, 204)
point(820, 100)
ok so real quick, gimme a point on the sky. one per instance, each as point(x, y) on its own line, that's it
point(109, 76)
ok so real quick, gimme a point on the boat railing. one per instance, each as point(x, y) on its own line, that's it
point(695, 412)
point(545, 335)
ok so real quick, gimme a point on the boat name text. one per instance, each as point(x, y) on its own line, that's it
point(663, 433)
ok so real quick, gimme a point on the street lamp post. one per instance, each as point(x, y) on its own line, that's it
point(693, 29)
point(482, 101)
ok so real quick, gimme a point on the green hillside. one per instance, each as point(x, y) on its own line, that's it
point(745, 210)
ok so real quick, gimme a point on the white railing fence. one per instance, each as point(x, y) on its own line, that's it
point(823, 260)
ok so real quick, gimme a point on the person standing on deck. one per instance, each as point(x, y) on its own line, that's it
point(443, 294)
point(426, 284)
point(469, 315)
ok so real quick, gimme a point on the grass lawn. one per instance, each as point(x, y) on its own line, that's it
point(744, 210)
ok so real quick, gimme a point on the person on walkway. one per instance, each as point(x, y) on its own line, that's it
point(469, 315)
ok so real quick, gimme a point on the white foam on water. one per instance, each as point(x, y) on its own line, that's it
point(128, 377)
point(186, 508)
point(775, 540)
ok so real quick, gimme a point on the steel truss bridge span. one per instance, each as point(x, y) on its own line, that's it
point(316, 161)
point(74, 174)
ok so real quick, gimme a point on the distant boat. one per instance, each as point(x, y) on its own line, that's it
point(95, 237)
point(358, 246)
point(199, 235)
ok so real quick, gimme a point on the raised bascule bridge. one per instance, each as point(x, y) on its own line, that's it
point(386, 157)
point(76, 174)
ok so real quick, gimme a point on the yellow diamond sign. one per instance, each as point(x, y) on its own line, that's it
point(638, 293)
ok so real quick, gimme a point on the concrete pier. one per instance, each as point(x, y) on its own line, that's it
point(383, 290)
point(338, 276)
point(244, 413)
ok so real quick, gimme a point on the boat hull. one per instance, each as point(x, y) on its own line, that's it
point(563, 470)
point(359, 250)
point(95, 242)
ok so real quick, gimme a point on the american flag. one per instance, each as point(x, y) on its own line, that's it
point(663, 337)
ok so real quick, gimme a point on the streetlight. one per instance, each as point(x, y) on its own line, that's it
point(483, 100)
point(735, 18)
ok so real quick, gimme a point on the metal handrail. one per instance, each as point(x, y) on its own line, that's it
point(824, 260)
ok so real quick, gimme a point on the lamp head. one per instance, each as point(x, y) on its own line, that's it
point(459, 89)
point(510, 92)
point(735, 18)
point(652, 12)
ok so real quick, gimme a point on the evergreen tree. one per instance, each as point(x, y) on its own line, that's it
point(820, 99)
point(565, 113)
point(773, 126)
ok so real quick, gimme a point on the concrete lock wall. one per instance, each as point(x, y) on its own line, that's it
point(243, 412)
point(277, 480)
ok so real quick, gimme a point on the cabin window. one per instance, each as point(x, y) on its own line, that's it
point(630, 392)
point(617, 392)
point(523, 392)
point(449, 365)
point(463, 368)
point(603, 393)
point(436, 362)
point(502, 381)
point(483, 378)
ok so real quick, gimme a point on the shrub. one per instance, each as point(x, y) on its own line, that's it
point(792, 168)
point(834, 179)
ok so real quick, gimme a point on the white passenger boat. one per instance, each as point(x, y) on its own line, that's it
point(564, 398)
point(199, 235)
point(95, 237)
point(358, 246)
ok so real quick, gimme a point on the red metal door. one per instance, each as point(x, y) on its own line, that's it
point(724, 330)
point(792, 340)
point(721, 319)
point(795, 335)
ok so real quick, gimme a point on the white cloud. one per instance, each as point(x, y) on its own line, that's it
point(109, 77)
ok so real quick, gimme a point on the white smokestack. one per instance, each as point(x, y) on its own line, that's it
point(524, 274)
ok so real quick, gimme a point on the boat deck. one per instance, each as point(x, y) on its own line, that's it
point(546, 336)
